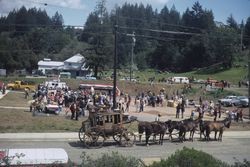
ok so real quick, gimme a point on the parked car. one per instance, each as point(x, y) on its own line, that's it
point(227, 101)
point(244, 102)
point(236, 101)
point(87, 77)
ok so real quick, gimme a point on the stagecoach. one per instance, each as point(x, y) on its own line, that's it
point(102, 125)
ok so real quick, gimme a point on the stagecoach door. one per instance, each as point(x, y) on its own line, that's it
point(117, 119)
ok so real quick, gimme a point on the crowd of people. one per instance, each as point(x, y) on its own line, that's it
point(67, 100)
point(77, 101)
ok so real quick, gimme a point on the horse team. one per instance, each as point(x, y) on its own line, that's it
point(181, 128)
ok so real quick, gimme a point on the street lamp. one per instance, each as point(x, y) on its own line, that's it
point(132, 53)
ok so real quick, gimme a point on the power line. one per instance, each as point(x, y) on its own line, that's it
point(162, 31)
point(157, 22)
point(177, 32)
point(157, 38)
point(45, 4)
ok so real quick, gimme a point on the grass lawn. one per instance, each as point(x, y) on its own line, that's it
point(13, 120)
point(21, 120)
point(233, 75)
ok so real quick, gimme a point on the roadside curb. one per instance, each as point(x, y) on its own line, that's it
point(74, 135)
point(44, 136)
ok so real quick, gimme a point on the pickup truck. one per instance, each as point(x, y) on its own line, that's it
point(21, 85)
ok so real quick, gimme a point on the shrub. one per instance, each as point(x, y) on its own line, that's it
point(109, 160)
point(190, 158)
point(245, 163)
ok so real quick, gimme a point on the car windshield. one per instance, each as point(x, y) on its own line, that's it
point(242, 97)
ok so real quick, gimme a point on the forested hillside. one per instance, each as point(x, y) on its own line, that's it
point(165, 40)
point(29, 35)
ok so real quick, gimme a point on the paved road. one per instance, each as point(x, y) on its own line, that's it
point(235, 146)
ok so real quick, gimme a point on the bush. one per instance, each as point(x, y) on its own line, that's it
point(190, 158)
point(245, 163)
point(109, 160)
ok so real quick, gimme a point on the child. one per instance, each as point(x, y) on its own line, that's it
point(157, 119)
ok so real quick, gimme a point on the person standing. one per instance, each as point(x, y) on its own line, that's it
point(178, 107)
point(199, 110)
point(3, 89)
point(73, 109)
point(219, 109)
point(137, 103)
point(128, 103)
point(141, 105)
point(157, 119)
point(200, 101)
point(77, 109)
point(182, 107)
point(26, 93)
point(215, 113)
point(60, 104)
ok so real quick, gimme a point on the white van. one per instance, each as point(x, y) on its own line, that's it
point(184, 80)
point(55, 84)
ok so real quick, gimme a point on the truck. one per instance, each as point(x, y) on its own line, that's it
point(22, 85)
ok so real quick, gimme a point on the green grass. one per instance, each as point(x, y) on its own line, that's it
point(233, 75)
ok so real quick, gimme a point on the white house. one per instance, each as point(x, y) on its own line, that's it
point(76, 65)
point(48, 65)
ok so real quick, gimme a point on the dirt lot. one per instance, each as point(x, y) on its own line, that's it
point(21, 120)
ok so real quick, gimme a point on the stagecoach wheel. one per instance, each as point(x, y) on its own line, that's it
point(98, 139)
point(127, 139)
point(87, 139)
point(81, 134)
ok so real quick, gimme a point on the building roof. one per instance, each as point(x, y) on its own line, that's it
point(50, 63)
point(78, 58)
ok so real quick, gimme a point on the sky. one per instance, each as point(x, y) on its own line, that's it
point(75, 12)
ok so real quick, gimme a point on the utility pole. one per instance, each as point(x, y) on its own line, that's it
point(132, 54)
point(241, 39)
point(115, 64)
point(248, 82)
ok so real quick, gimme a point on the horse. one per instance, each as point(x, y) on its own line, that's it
point(202, 126)
point(174, 125)
point(188, 126)
point(152, 128)
point(217, 126)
